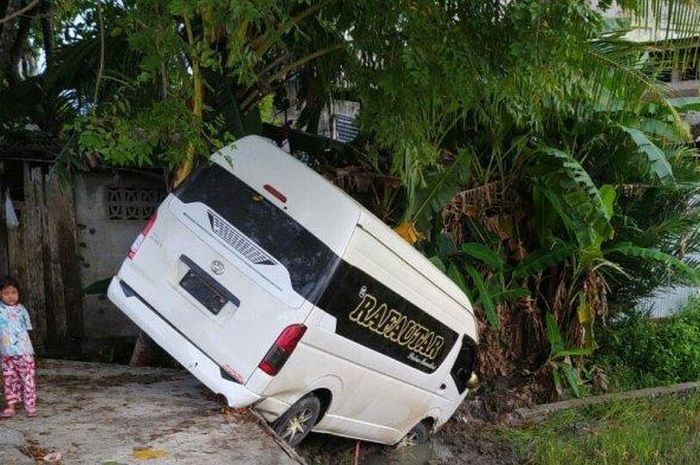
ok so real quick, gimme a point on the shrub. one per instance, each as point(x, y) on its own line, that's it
point(639, 351)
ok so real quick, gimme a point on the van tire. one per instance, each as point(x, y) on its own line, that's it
point(294, 424)
point(419, 434)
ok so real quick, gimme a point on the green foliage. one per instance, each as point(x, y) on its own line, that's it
point(655, 156)
point(571, 184)
point(563, 372)
point(648, 431)
point(484, 296)
point(440, 186)
point(483, 254)
point(639, 351)
point(578, 201)
point(156, 134)
point(542, 260)
point(626, 248)
point(150, 68)
point(580, 187)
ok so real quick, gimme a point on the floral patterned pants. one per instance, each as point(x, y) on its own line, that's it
point(18, 374)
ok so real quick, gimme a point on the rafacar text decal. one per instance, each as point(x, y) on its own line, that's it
point(396, 327)
point(375, 316)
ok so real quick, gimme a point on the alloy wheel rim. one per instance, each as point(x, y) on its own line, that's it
point(297, 425)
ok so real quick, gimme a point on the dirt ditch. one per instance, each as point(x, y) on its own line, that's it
point(462, 441)
point(467, 439)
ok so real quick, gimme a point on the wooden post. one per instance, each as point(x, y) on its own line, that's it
point(55, 295)
point(34, 283)
point(66, 238)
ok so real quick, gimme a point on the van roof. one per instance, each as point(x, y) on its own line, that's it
point(258, 160)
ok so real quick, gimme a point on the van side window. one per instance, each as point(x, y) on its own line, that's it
point(464, 364)
point(373, 315)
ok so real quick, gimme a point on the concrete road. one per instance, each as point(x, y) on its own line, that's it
point(96, 414)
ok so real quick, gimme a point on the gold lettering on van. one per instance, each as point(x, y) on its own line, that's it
point(424, 343)
point(393, 332)
point(407, 332)
point(374, 318)
point(388, 323)
point(395, 326)
point(436, 346)
point(367, 303)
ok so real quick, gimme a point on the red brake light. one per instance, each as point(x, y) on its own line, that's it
point(275, 193)
point(280, 351)
point(136, 245)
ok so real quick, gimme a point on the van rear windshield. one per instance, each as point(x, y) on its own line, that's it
point(309, 261)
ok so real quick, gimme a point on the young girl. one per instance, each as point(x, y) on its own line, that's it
point(17, 353)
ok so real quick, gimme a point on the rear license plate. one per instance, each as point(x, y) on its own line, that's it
point(213, 300)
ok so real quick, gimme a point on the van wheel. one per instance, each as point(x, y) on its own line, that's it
point(296, 423)
point(419, 434)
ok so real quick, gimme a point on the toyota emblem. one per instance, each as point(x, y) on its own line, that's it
point(217, 267)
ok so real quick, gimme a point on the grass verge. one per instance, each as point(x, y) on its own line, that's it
point(641, 432)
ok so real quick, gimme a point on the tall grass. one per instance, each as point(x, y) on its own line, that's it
point(647, 432)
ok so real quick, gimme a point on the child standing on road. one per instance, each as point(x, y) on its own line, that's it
point(18, 367)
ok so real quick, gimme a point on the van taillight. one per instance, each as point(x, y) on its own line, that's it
point(280, 351)
point(136, 245)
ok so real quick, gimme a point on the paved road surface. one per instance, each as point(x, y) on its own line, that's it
point(96, 414)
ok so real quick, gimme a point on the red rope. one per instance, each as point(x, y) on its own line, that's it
point(356, 459)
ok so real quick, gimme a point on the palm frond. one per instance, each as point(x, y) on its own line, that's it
point(542, 260)
point(655, 157)
point(441, 187)
point(577, 191)
point(622, 76)
point(631, 250)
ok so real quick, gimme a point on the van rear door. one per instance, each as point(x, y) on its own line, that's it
point(242, 250)
point(247, 266)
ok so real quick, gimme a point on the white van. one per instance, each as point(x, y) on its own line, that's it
point(278, 290)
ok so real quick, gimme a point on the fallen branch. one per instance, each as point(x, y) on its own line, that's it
point(540, 413)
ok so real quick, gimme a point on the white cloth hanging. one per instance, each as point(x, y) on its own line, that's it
point(10, 214)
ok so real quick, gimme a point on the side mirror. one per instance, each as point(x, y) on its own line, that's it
point(473, 382)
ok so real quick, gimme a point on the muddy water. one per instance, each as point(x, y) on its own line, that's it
point(456, 444)
point(434, 451)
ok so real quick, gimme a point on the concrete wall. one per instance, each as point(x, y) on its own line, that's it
point(103, 243)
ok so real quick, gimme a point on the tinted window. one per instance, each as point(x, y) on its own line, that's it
point(309, 261)
point(465, 364)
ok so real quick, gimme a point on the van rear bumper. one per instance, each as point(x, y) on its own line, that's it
point(191, 357)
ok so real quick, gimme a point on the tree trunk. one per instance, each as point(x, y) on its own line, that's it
point(7, 33)
point(47, 31)
point(198, 104)
point(17, 49)
point(4, 5)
